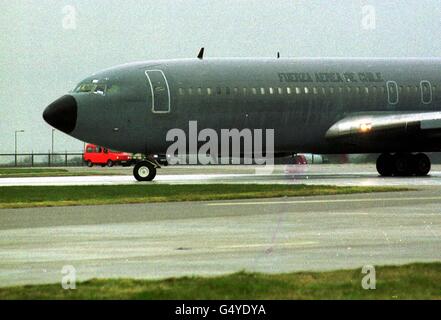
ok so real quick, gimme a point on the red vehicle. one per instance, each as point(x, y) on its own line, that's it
point(98, 155)
point(299, 159)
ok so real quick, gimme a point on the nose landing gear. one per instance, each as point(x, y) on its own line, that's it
point(145, 170)
point(403, 164)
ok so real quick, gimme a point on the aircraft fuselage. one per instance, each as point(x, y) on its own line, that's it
point(132, 107)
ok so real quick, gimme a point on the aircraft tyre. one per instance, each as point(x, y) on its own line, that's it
point(422, 164)
point(403, 164)
point(144, 171)
point(109, 163)
point(385, 165)
point(89, 163)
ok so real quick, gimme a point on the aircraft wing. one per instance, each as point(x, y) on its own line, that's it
point(379, 124)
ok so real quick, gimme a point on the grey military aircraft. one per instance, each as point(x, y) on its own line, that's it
point(390, 106)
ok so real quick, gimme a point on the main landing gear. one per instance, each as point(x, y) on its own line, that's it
point(145, 170)
point(403, 164)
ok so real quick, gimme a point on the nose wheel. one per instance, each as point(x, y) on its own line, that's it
point(144, 171)
point(403, 165)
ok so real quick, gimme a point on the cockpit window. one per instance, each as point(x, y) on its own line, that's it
point(98, 88)
point(85, 87)
point(113, 88)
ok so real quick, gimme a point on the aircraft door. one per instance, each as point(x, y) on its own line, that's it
point(160, 91)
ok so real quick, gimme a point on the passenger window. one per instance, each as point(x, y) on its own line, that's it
point(331, 90)
point(298, 91)
point(200, 91)
point(262, 90)
point(315, 90)
point(366, 90)
point(288, 90)
point(209, 91)
point(306, 90)
point(236, 90)
point(271, 90)
point(190, 91)
point(244, 90)
point(279, 90)
point(227, 90)
point(426, 92)
point(218, 90)
point(181, 91)
point(254, 90)
point(392, 92)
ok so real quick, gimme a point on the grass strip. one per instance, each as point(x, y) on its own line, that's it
point(47, 196)
point(413, 281)
point(48, 172)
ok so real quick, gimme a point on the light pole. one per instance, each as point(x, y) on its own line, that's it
point(15, 141)
point(53, 130)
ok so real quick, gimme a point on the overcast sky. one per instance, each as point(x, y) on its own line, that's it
point(47, 46)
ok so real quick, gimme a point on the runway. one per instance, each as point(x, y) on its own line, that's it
point(341, 175)
point(209, 238)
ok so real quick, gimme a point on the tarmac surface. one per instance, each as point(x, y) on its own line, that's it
point(218, 237)
point(342, 175)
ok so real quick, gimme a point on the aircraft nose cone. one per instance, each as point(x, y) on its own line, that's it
point(62, 114)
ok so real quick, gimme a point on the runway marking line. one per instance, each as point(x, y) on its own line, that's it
point(259, 245)
point(219, 204)
point(348, 213)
